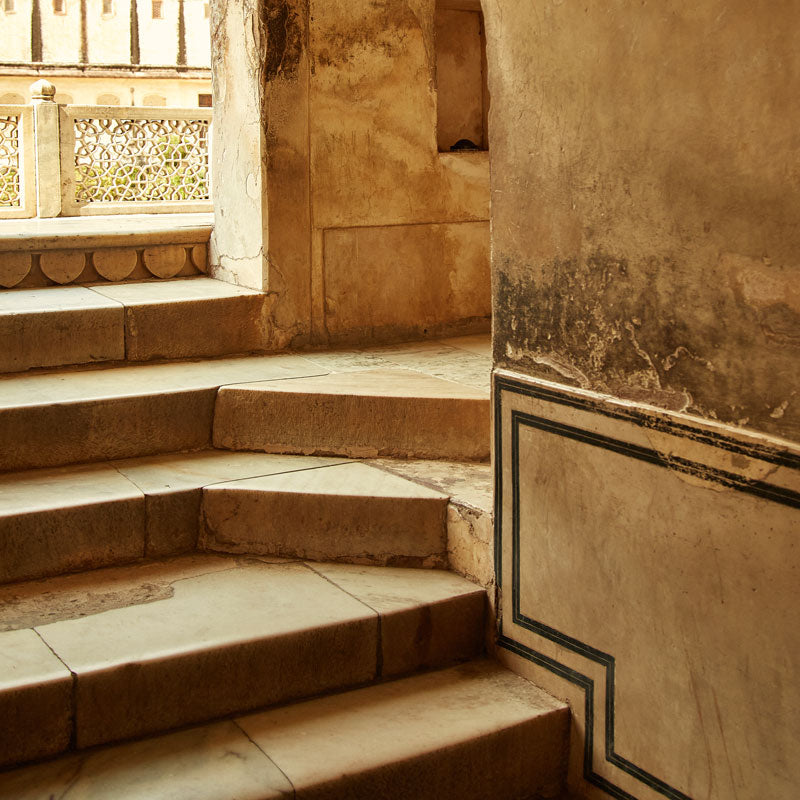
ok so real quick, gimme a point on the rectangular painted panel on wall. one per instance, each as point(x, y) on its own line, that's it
point(409, 279)
point(649, 570)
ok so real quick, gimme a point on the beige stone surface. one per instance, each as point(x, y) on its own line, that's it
point(349, 143)
point(349, 512)
point(50, 327)
point(381, 278)
point(115, 263)
point(470, 520)
point(199, 256)
point(467, 484)
point(633, 541)
point(270, 632)
point(377, 412)
point(189, 318)
point(62, 266)
point(54, 521)
point(32, 603)
point(460, 76)
point(206, 763)
point(464, 359)
point(467, 733)
point(664, 268)
point(13, 268)
point(172, 486)
point(165, 261)
point(35, 700)
point(429, 618)
point(126, 230)
point(479, 344)
point(63, 417)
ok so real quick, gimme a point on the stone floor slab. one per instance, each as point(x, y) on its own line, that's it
point(441, 613)
point(230, 640)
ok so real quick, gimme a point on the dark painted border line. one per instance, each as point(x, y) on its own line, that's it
point(762, 489)
point(772, 455)
point(605, 660)
point(758, 488)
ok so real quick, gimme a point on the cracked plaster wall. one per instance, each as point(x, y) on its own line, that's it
point(645, 209)
point(329, 189)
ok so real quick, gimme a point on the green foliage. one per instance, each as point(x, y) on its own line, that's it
point(9, 187)
point(162, 168)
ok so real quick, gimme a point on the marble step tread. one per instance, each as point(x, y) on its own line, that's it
point(70, 416)
point(470, 732)
point(64, 519)
point(120, 653)
point(379, 412)
point(141, 321)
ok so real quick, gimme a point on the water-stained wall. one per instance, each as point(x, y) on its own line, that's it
point(646, 265)
point(331, 193)
point(645, 202)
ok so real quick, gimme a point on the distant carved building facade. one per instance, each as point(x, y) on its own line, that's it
point(109, 52)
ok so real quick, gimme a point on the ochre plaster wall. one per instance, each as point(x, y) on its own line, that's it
point(350, 218)
point(646, 264)
point(645, 201)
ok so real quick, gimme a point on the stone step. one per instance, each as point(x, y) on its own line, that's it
point(188, 318)
point(60, 520)
point(64, 417)
point(54, 521)
point(349, 512)
point(381, 412)
point(471, 732)
point(121, 653)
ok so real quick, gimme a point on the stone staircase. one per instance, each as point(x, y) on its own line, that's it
point(233, 576)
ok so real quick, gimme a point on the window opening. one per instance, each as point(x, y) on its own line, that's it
point(158, 9)
point(204, 100)
point(59, 6)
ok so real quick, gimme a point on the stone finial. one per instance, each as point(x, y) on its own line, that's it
point(43, 91)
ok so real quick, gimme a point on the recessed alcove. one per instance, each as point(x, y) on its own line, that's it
point(461, 86)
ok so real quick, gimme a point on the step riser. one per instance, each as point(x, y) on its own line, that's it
point(74, 433)
point(356, 426)
point(157, 696)
point(56, 338)
point(385, 531)
point(530, 758)
point(135, 322)
point(48, 543)
point(190, 330)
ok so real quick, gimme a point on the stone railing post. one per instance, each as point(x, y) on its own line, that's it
point(47, 149)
